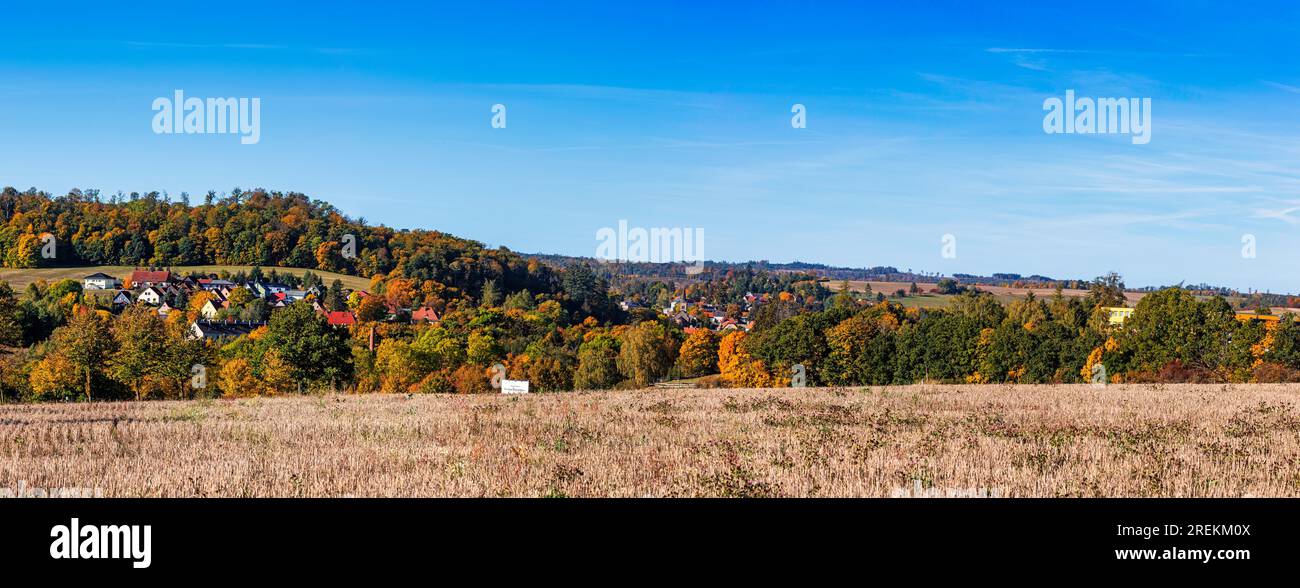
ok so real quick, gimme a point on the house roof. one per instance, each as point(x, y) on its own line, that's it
point(141, 276)
point(99, 276)
point(340, 318)
point(424, 313)
point(219, 329)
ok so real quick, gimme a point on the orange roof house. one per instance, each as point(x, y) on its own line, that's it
point(425, 313)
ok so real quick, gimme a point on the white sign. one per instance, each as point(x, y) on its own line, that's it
point(514, 386)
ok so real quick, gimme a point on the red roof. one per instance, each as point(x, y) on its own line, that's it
point(340, 318)
point(142, 277)
point(424, 313)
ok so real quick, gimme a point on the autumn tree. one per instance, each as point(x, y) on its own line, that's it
point(142, 346)
point(398, 365)
point(738, 368)
point(237, 380)
point(54, 377)
point(239, 297)
point(489, 296)
point(860, 349)
point(646, 352)
point(86, 343)
point(276, 375)
point(482, 348)
point(698, 354)
point(371, 309)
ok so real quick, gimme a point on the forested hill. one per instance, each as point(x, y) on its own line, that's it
point(289, 229)
point(253, 227)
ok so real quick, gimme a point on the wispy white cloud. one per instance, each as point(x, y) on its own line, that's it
point(1281, 86)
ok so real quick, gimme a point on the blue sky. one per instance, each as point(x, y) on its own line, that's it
point(924, 119)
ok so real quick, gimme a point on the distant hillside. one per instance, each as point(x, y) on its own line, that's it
point(275, 229)
point(268, 229)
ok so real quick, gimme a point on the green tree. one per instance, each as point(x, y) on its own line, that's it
point(11, 331)
point(482, 348)
point(314, 352)
point(521, 300)
point(240, 296)
point(1107, 290)
point(1172, 325)
point(489, 296)
point(597, 364)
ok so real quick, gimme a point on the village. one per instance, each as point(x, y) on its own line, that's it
point(691, 315)
point(237, 305)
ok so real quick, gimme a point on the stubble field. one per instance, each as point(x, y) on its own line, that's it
point(1019, 441)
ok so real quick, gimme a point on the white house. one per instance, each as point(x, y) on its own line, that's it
point(100, 281)
point(151, 296)
point(210, 309)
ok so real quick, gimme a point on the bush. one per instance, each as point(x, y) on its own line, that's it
point(1174, 372)
point(1270, 373)
point(471, 379)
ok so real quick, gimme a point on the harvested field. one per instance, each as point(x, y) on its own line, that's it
point(1021, 441)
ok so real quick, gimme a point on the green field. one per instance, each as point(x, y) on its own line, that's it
point(18, 279)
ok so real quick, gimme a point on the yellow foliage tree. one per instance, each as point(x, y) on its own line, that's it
point(738, 368)
point(237, 379)
point(55, 377)
point(699, 353)
point(25, 254)
point(275, 375)
point(399, 368)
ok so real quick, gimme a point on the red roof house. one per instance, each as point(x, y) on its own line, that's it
point(145, 278)
point(340, 318)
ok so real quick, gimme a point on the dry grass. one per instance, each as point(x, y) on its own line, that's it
point(1188, 440)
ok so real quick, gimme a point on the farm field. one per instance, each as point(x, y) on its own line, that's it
point(19, 278)
point(1017, 441)
point(1004, 294)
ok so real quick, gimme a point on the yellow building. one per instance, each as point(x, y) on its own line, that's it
point(1118, 314)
